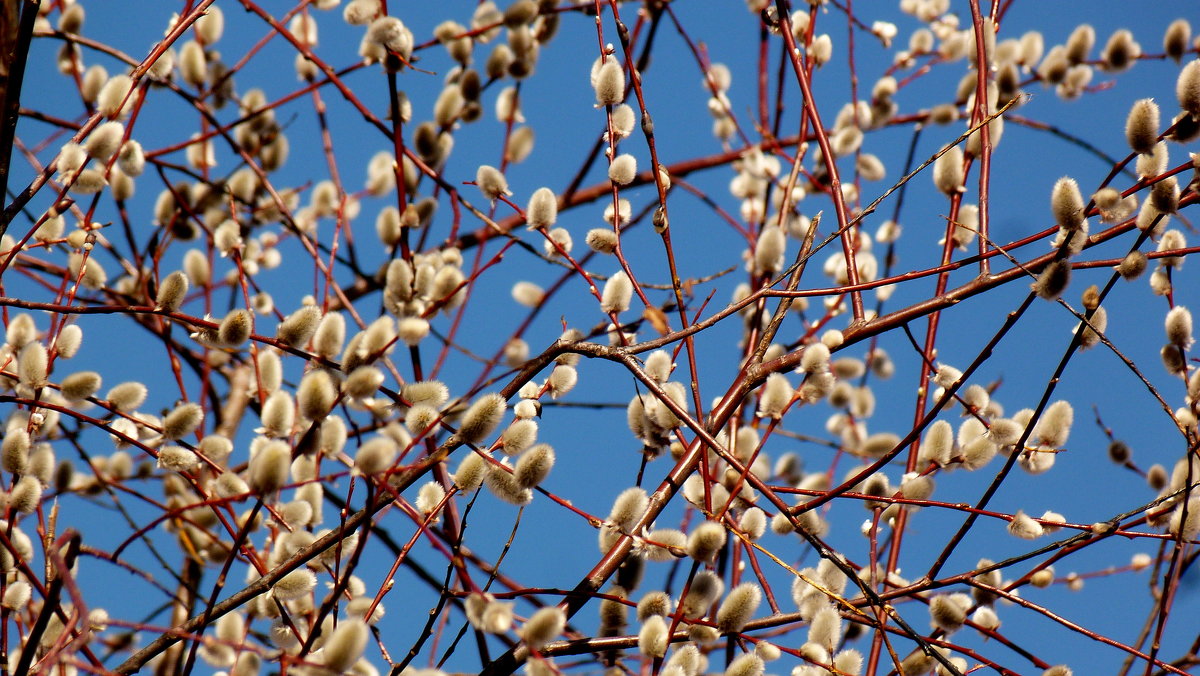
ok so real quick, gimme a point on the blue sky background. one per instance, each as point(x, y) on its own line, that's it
point(598, 457)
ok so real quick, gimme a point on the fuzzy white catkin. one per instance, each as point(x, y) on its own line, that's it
point(769, 250)
point(17, 595)
point(776, 395)
point(172, 292)
point(1141, 126)
point(345, 645)
point(412, 330)
point(653, 637)
point(363, 382)
point(542, 211)
point(482, 417)
point(705, 541)
point(948, 171)
point(1024, 527)
point(429, 497)
point(297, 328)
point(1053, 279)
point(562, 380)
point(519, 436)
point(1179, 327)
point(25, 495)
point(111, 100)
point(534, 466)
point(471, 472)
point(543, 626)
point(177, 459)
point(815, 358)
point(316, 394)
point(235, 328)
point(629, 506)
point(1187, 88)
point(826, 628)
point(939, 443)
point(182, 421)
point(609, 83)
point(738, 607)
point(126, 396)
point(1055, 424)
point(623, 169)
point(618, 292)
point(269, 467)
point(105, 140)
point(32, 365)
point(1066, 204)
point(491, 182)
point(294, 585)
point(375, 455)
point(747, 664)
point(14, 451)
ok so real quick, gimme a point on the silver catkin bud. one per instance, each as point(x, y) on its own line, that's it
point(705, 541)
point(534, 466)
point(316, 394)
point(182, 421)
point(738, 607)
point(299, 327)
point(482, 418)
point(1066, 204)
point(609, 83)
point(80, 386)
point(1187, 88)
point(32, 363)
point(171, 292)
point(542, 211)
point(543, 626)
point(1053, 279)
point(345, 645)
point(235, 328)
point(1141, 127)
point(269, 467)
point(948, 172)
